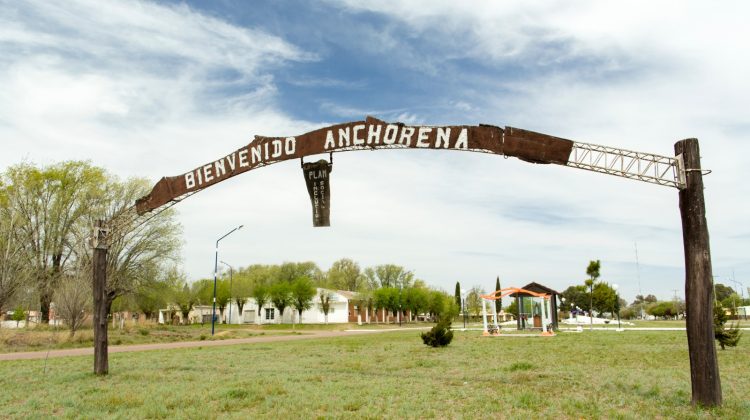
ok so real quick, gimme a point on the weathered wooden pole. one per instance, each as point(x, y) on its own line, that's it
point(99, 265)
point(704, 367)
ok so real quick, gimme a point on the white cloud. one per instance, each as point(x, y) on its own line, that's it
point(152, 90)
point(636, 75)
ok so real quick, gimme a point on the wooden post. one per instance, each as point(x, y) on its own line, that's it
point(99, 264)
point(704, 367)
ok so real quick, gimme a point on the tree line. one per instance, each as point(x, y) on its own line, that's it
point(387, 287)
point(47, 214)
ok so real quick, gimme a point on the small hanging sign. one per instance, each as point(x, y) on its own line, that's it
point(318, 186)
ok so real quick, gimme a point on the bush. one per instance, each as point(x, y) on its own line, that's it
point(440, 335)
point(727, 337)
point(144, 331)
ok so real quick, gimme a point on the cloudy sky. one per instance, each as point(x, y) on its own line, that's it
point(152, 89)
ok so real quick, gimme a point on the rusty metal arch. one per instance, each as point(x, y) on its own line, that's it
point(683, 171)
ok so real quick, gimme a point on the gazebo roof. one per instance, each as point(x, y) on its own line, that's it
point(536, 287)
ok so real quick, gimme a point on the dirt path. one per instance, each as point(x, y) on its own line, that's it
point(89, 351)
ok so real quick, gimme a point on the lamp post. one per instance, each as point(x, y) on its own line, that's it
point(617, 306)
point(216, 268)
point(231, 269)
point(562, 300)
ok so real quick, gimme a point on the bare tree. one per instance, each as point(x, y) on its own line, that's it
point(13, 270)
point(73, 299)
point(325, 303)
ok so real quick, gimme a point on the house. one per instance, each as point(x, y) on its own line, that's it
point(343, 308)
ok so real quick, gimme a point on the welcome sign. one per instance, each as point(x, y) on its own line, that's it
point(369, 134)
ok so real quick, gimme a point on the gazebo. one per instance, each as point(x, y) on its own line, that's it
point(541, 303)
point(528, 310)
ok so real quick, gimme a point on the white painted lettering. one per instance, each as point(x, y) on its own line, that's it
point(189, 180)
point(344, 135)
point(207, 175)
point(329, 140)
point(265, 149)
point(200, 176)
point(243, 158)
point(232, 161)
point(255, 154)
point(219, 169)
point(406, 134)
point(357, 128)
point(276, 149)
point(443, 135)
point(290, 145)
point(422, 136)
point(390, 134)
point(463, 140)
point(373, 134)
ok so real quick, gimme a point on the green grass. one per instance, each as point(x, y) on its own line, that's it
point(589, 375)
point(42, 338)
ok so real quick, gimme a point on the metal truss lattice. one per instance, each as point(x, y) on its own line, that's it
point(647, 167)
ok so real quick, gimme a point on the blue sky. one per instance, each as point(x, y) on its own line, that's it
point(157, 88)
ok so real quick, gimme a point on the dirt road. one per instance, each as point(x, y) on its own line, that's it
point(89, 351)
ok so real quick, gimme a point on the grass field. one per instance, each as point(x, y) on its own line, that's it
point(598, 374)
point(40, 338)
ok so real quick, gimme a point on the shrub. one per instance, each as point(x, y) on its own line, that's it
point(440, 335)
point(727, 337)
point(144, 331)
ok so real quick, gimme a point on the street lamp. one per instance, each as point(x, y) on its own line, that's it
point(617, 306)
point(216, 268)
point(562, 303)
point(231, 269)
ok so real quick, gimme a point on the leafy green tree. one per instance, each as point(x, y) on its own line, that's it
point(387, 298)
point(593, 272)
point(731, 302)
point(223, 297)
point(722, 292)
point(345, 274)
point(575, 295)
point(18, 315)
point(261, 294)
point(152, 296)
point(49, 206)
point(281, 297)
point(474, 301)
point(416, 300)
point(513, 308)
point(184, 297)
point(303, 292)
point(605, 298)
point(242, 291)
point(391, 275)
point(291, 271)
point(663, 309)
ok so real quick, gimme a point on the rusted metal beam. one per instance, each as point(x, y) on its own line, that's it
point(370, 134)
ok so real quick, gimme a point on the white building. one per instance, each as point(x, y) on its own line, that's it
point(342, 310)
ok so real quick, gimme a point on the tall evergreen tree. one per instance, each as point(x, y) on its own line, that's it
point(499, 302)
point(458, 294)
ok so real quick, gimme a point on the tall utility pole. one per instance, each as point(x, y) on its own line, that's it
point(704, 365)
point(216, 268)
